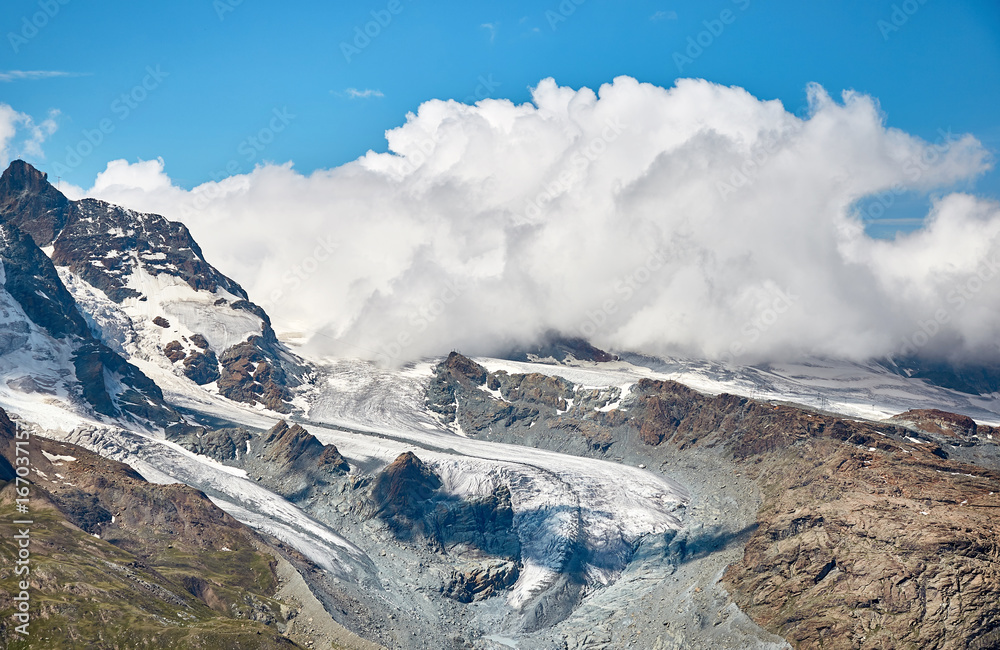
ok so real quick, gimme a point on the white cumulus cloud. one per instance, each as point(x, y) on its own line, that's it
point(696, 219)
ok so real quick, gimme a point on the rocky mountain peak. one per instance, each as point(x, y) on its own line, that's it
point(295, 448)
point(101, 242)
point(463, 368)
point(112, 263)
point(30, 202)
point(22, 177)
point(402, 486)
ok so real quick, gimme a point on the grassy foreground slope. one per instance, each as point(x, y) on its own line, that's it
point(118, 562)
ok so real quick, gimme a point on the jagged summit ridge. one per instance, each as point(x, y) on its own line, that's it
point(145, 290)
point(101, 242)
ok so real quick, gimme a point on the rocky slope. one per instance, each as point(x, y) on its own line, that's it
point(119, 562)
point(287, 459)
point(473, 539)
point(407, 495)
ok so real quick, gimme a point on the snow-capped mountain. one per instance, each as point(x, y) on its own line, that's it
point(49, 349)
point(148, 293)
point(564, 497)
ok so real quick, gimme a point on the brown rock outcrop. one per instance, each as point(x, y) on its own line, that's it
point(401, 488)
point(201, 367)
point(248, 375)
point(873, 549)
point(174, 351)
point(292, 448)
point(938, 423)
point(481, 581)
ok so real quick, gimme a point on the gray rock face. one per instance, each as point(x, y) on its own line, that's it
point(138, 397)
point(32, 280)
point(458, 377)
point(104, 244)
point(13, 336)
point(293, 450)
point(112, 386)
point(407, 496)
point(225, 445)
point(287, 459)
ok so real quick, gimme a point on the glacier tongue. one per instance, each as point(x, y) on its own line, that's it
point(569, 511)
point(565, 506)
point(162, 462)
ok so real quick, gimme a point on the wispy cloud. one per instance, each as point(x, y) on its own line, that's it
point(493, 27)
point(367, 93)
point(663, 15)
point(30, 75)
point(21, 136)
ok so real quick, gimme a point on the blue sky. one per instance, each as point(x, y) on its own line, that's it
point(217, 73)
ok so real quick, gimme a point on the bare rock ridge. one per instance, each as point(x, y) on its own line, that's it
point(460, 376)
point(293, 449)
point(104, 247)
point(174, 569)
point(287, 459)
point(947, 427)
point(89, 230)
point(869, 535)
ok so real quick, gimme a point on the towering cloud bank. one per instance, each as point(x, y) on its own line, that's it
point(696, 219)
